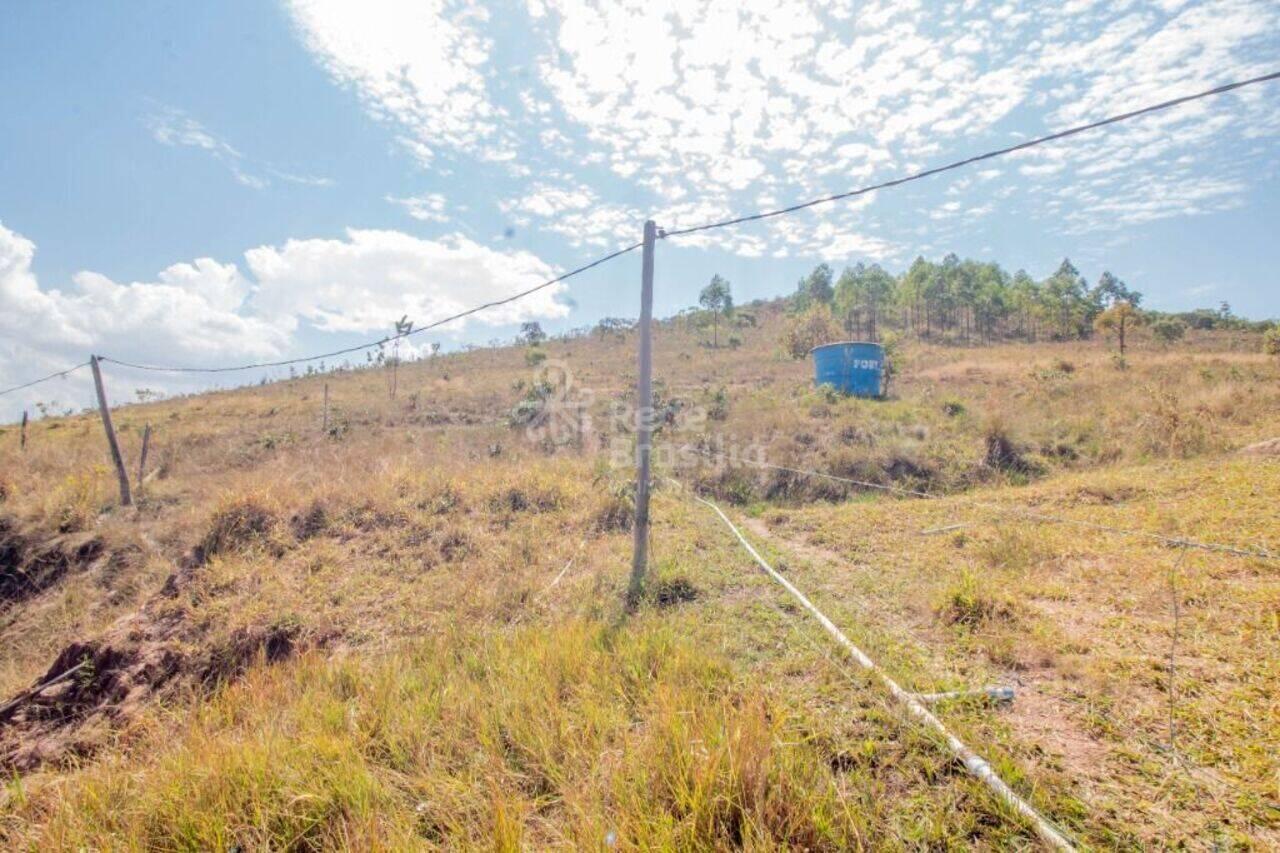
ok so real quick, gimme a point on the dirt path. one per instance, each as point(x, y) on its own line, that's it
point(1037, 715)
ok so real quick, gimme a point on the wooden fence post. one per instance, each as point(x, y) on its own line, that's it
point(644, 421)
point(324, 424)
point(22, 441)
point(126, 499)
point(142, 456)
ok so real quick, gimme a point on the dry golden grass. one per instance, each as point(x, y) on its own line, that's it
point(1083, 622)
point(456, 670)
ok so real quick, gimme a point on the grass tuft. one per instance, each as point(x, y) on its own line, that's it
point(969, 603)
point(240, 523)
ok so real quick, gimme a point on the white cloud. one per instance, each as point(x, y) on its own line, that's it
point(415, 61)
point(1103, 208)
point(719, 102)
point(192, 313)
point(170, 126)
point(1036, 170)
point(191, 310)
point(703, 85)
point(174, 127)
point(548, 201)
point(302, 180)
point(362, 283)
point(207, 313)
point(428, 207)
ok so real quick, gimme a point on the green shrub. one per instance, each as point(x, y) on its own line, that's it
point(719, 408)
point(809, 329)
point(1168, 329)
point(1271, 340)
point(970, 603)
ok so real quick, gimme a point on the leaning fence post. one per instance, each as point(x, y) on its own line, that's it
point(644, 420)
point(125, 498)
point(22, 440)
point(142, 456)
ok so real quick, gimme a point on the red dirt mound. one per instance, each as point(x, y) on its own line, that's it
point(29, 566)
point(97, 685)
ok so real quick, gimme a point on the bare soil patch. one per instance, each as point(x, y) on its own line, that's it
point(29, 564)
point(94, 686)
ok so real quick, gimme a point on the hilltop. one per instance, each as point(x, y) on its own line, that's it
point(398, 622)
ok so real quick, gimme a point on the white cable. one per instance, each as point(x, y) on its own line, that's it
point(974, 763)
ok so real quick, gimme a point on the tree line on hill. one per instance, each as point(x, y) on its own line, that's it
point(967, 301)
point(953, 300)
point(964, 301)
point(974, 301)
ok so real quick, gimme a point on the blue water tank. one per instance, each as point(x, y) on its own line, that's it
point(854, 367)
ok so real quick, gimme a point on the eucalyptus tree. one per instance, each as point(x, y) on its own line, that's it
point(863, 292)
point(1067, 296)
point(815, 288)
point(1109, 290)
point(717, 298)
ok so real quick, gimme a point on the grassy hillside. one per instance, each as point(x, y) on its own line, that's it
point(406, 630)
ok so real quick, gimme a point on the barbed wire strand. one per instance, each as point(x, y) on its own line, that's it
point(1164, 105)
point(968, 161)
point(66, 372)
point(1175, 541)
point(679, 232)
point(383, 341)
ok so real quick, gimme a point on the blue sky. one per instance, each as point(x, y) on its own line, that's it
point(214, 183)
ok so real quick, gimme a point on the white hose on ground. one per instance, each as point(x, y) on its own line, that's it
point(972, 761)
point(997, 694)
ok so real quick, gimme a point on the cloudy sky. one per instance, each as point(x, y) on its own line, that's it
point(215, 183)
